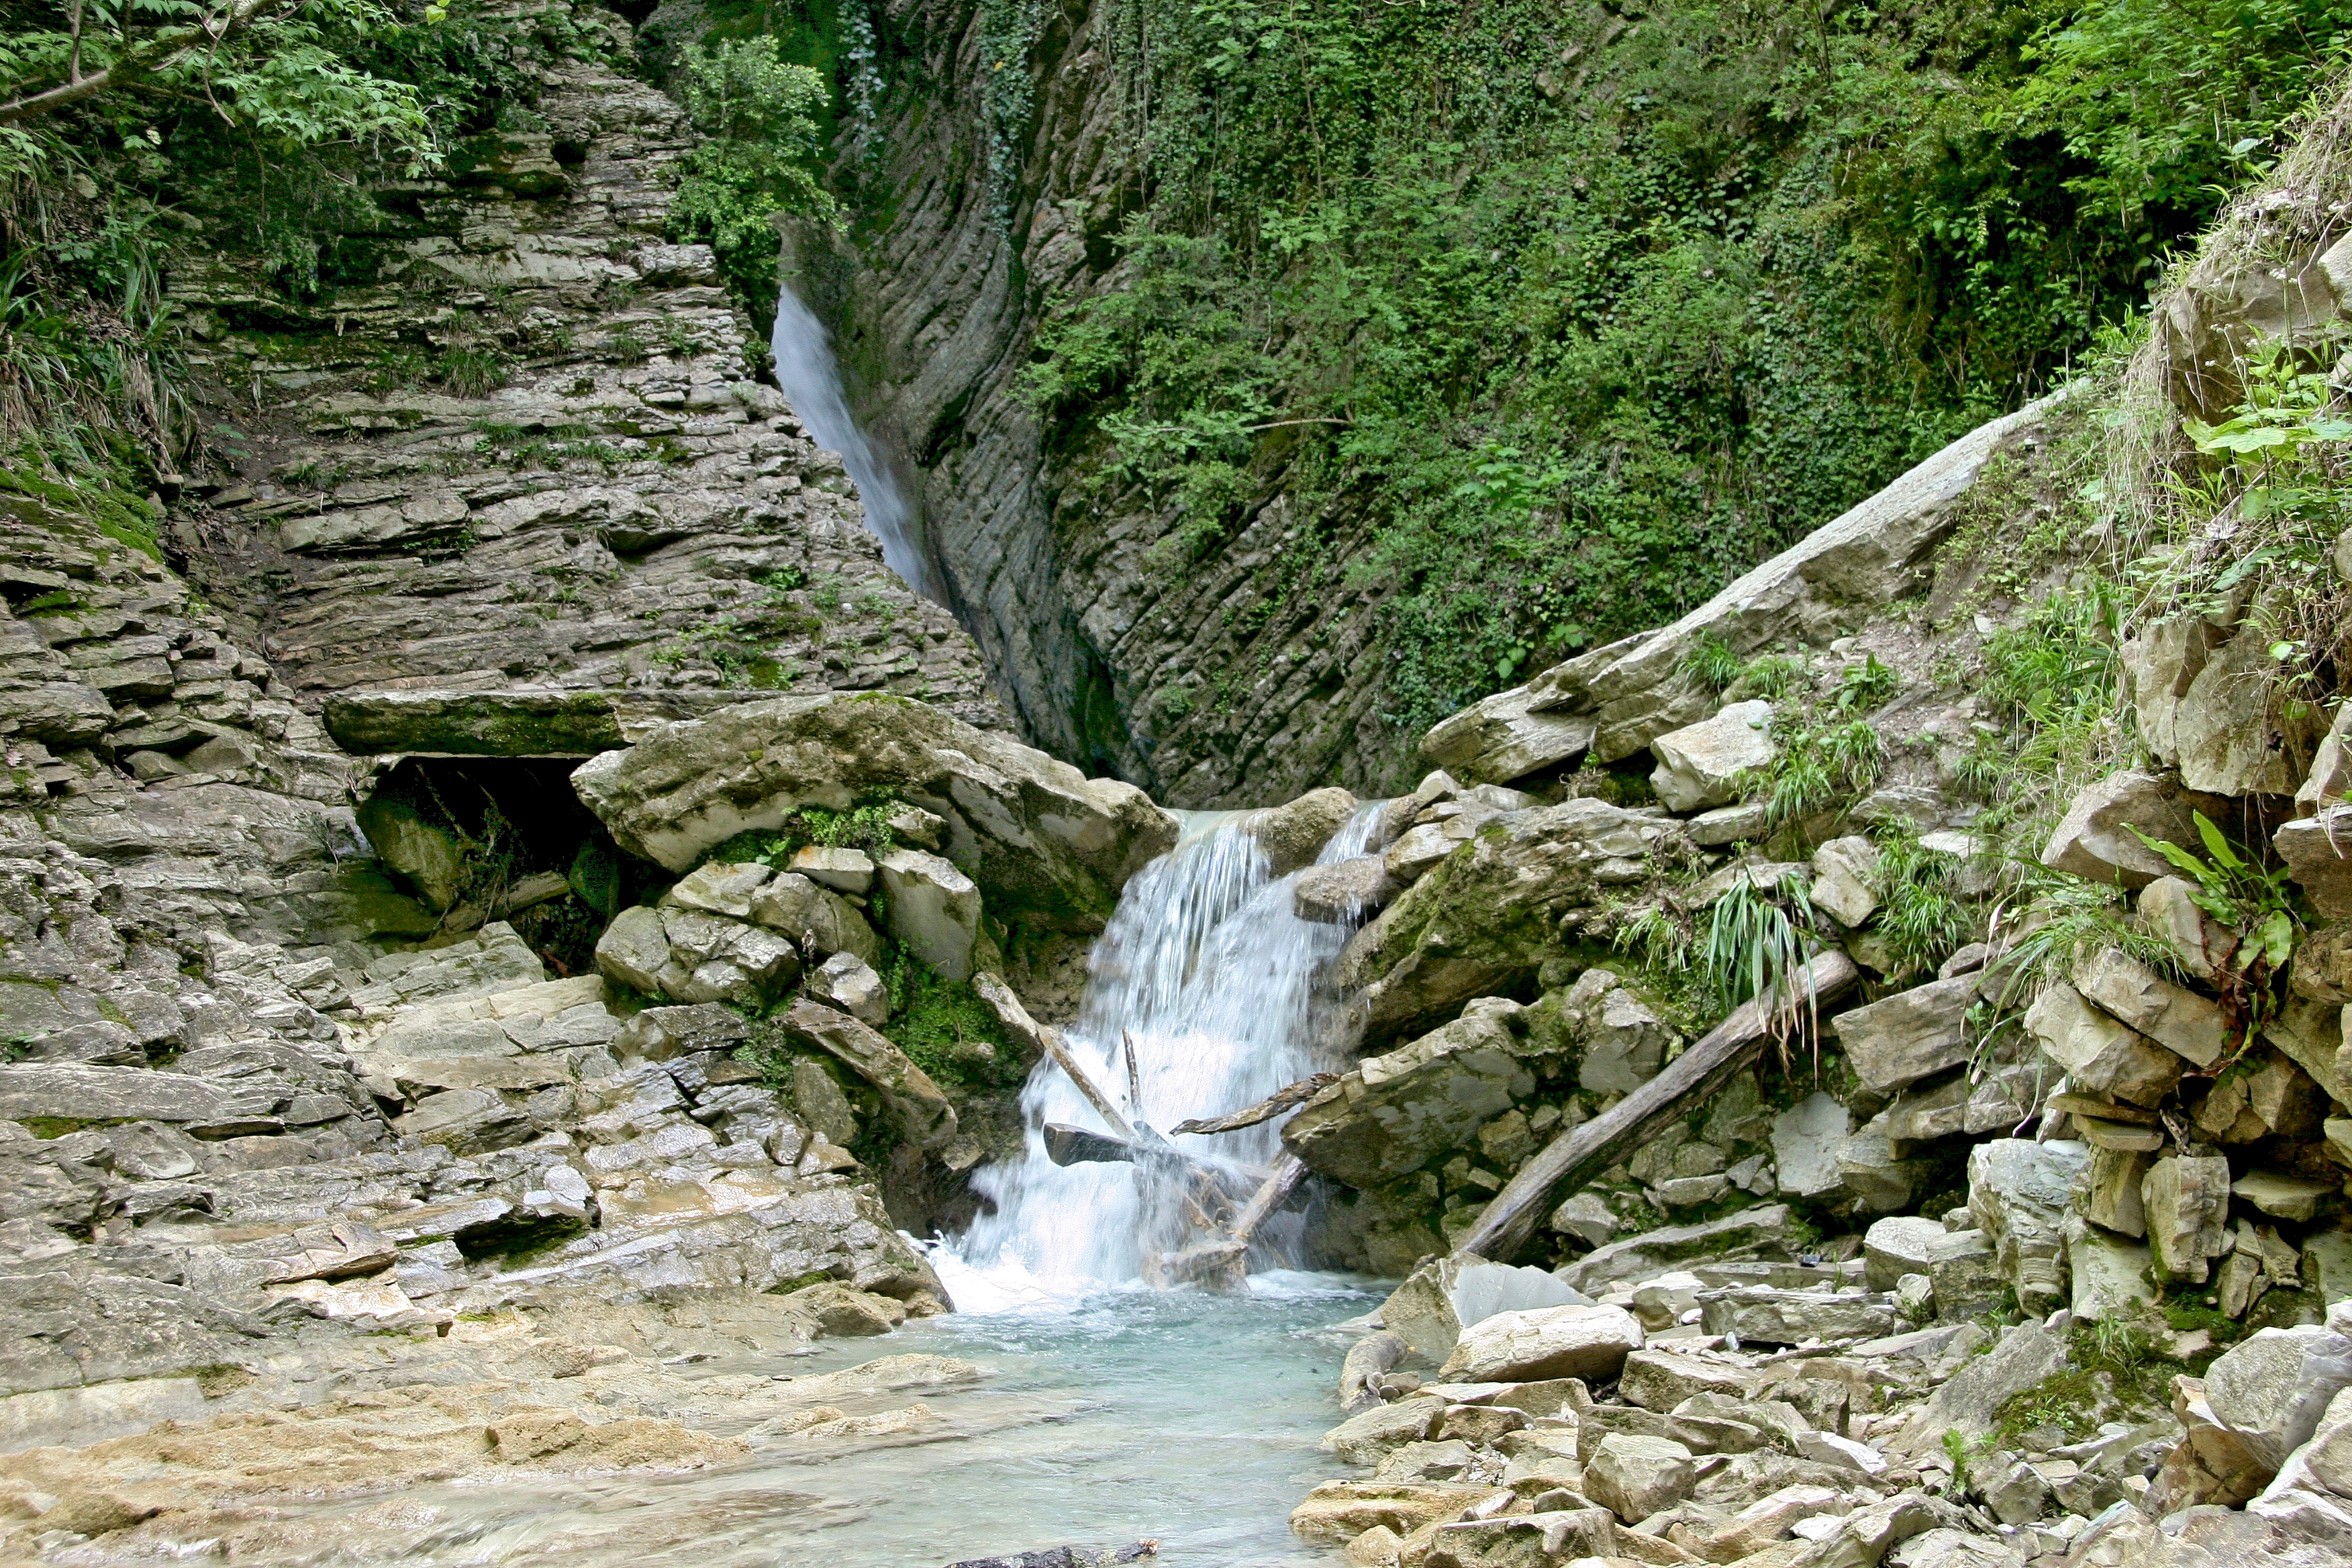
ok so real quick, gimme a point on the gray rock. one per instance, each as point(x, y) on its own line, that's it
point(2099, 1053)
point(1342, 892)
point(76, 1094)
point(1730, 824)
point(2271, 1387)
point(1587, 1341)
point(1846, 880)
point(1806, 1139)
point(2110, 1276)
point(1500, 739)
point(1623, 1039)
point(1552, 1535)
point(845, 982)
point(843, 870)
point(1491, 912)
point(1638, 688)
point(1044, 841)
point(1967, 1401)
point(1912, 1035)
point(2020, 1193)
point(713, 959)
point(921, 1110)
point(1634, 1477)
point(1396, 1112)
point(426, 855)
point(2313, 848)
point(1585, 1217)
point(658, 1034)
point(1875, 1179)
point(823, 1105)
point(1699, 765)
point(1293, 835)
point(934, 908)
point(1445, 1296)
point(819, 920)
point(465, 1121)
point(1640, 1257)
point(2095, 839)
point(2237, 731)
point(2190, 1025)
point(1367, 1438)
point(719, 888)
point(2186, 1202)
point(1764, 1315)
point(635, 949)
point(2169, 910)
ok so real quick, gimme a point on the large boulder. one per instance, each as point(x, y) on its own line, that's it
point(1293, 835)
point(688, 955)
point(1700, 765)
point(2185, 1204)
point(2095, 838)
point(1895, 1042)
point(1640, 687)
point(2190, 1025)
point(1487, 915)
point(1446, 1295)
point(1046, 842)
point(2020, 1193)
point(934, 908)
point(1590, 1342)
point(1396, 1112)
point(2319, 855)
point(1634, 1477)
point(2098, 1052)
point(427, 855)
point(1620, 1039)
point(1501, 739)
point(819, 920)
point(2238, 731)
point(1969, 1401)
point(2273, 1387)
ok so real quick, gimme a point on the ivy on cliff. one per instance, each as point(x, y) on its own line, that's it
point(1582, 311)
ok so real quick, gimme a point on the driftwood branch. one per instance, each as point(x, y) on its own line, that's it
point(1222, 1263)
point(992, 990)
point(1265, 1109)
point(159, 50)
point(1583, 1152)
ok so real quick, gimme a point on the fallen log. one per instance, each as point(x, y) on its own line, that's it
point(1067, 1145)
point(1016, 1020)
point(1221, 1265)
point(1583, 1152)
point(1265, 1109)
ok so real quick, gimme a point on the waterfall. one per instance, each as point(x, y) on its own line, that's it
point(1219, 985)
point(811, 382)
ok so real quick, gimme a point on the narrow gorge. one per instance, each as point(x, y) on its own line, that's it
point(951, 784)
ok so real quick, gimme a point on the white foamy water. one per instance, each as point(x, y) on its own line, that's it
point(811, 382)
point(1219, 986)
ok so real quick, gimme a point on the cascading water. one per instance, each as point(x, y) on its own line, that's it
point(1217, 983)
point(812, 384)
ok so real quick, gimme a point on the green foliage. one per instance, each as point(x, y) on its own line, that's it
point(2072, 919)
point(1711, 660)
point(946, 1028)
point(864, 826)
point(1920, 913)
point(1757, 940)
point(759, 115)
point(1547, 323)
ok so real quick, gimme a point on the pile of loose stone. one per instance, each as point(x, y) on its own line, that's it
point(1740, 1410)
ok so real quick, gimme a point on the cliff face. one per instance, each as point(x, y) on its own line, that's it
point(521, 446)
point(1232, 681)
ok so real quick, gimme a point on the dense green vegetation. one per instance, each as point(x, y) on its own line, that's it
point(1578, 311)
